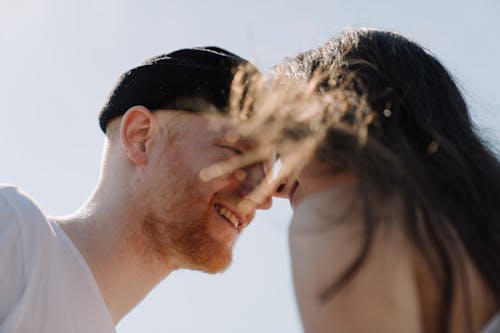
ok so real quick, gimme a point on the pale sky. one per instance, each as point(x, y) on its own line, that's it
point(60, 58)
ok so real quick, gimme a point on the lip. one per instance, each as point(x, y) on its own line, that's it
point(291, 194)
point(242, 221)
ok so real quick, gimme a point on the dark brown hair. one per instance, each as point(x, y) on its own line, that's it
point(421, 146)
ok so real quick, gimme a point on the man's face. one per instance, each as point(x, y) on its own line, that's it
point(195, 221)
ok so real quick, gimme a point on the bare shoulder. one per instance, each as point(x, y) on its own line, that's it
point(326, 236)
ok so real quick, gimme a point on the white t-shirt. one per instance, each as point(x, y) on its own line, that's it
point(45, 284)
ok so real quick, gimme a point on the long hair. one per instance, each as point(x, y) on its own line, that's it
point(420, 145)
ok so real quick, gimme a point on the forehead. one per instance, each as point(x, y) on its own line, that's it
point(204, 126)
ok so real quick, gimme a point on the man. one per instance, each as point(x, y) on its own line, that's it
point(150, 213)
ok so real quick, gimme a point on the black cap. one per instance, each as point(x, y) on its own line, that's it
point(205, 72)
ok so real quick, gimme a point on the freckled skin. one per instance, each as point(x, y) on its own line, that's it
point(181, 221)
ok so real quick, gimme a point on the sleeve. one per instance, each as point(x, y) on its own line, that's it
point(11, 260)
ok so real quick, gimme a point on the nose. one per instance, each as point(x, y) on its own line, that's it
point(283, 180)
point(266, 203)
point(252, 176)
point(281, 190)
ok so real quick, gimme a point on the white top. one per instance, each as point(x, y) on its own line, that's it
point(45, 284)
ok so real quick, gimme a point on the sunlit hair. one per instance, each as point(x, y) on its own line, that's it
point(380, 106)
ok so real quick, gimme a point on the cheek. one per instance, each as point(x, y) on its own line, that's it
point(310, 184)
point(187, 170)
point(220, 185)
point(315, 177)
point(307, 175)
point(307, 183)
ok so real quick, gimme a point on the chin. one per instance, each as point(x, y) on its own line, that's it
point(219, 261)
point(219, 268)
point(210, 256)
point(212, 265)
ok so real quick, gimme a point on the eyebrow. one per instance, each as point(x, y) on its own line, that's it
point(244, 142)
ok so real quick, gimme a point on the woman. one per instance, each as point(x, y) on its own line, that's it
point(397, 219)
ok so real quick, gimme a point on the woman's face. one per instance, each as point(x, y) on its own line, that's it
point(314, 177)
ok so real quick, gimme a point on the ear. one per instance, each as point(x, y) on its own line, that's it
point(137, 127)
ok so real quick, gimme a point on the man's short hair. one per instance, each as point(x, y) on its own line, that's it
point(205, 72)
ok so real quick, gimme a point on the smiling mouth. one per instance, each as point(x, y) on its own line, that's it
point(230, 216)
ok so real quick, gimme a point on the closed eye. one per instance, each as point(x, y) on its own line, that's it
point(233, 149)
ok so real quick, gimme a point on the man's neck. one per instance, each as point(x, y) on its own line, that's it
point(113, 247)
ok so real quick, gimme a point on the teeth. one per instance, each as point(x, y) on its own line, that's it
point(227, 214)
point(234, 219)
